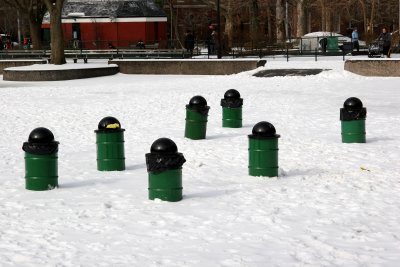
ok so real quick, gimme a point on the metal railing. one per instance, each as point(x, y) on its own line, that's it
point(130, 49)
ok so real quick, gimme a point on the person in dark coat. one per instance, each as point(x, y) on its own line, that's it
point(386, 38)
point(9, 44)
point(140, 44)
point(324, 44)
point(189, 42)
point(211, 40)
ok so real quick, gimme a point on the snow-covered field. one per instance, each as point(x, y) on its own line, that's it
point(334, 204)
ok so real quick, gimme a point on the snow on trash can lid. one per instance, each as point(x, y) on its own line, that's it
point(109, 124)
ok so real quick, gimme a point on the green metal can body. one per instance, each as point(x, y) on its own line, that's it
point(332, 43)
point(196, 125)
point(41, 171)
point(110, 151)
point(263, 157)
point(231, 117)
point(353, 131)
point(166, 185)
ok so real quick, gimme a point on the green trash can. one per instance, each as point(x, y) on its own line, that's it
point(196, 118)
point(164, 166)
point(352, 117)
point(263, 150)
point(332, 44)
point(232, 109)
point(41, 160)
point(110, 145)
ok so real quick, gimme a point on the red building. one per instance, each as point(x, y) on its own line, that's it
point(100, 24)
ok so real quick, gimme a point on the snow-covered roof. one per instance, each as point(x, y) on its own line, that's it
point(320, 34)
point(112, 8)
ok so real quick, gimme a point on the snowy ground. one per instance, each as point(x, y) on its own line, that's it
point(334, 204)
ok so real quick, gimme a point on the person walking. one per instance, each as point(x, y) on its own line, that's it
point(354, 39)
point(8, 44)
point(386, 38)
point(324, 44)
point(214, 41)
point(189, 42)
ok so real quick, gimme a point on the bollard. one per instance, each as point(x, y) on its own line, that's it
point(110, 145)
point(164, 166)
point(196, 118)
point(232, 109)
point(263, 150)
point(352, 117)
point(41, 160)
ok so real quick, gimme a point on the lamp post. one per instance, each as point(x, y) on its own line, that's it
point(219, 52)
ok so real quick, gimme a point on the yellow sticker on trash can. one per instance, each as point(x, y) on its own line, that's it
point(113, 126)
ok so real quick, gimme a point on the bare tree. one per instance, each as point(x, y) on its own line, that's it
point(372, 17)
point(171, 18)
point(301, 18)
point(254, 20)
point(34, 10)
point(229, 11)
point(7, 14)
point(353, 7)
point(364, 11)
point(280, 17)
point(268, 20)
point(56, 32)
point(323, 15)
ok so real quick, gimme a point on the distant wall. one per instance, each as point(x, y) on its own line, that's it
point(374, 67)
point(190, 67)
point(18, 63)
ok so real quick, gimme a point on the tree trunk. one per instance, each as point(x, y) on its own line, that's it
point(269, 21)
point(171, 20)
point(35, 31)
point(34, 11)
point(328, 20)
point(338, 18)
point(323, 15)
point(372, 16)
point(301, 19)
point(229, 20)
point(364, 13)
point(56, 31)
point(254, 22)
point(280, 16)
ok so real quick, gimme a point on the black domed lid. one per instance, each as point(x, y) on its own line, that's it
point(41, 135)
point(232, 94)
point(109, 123)
point(264, 129)
point(198, 101)
point(164, 145)
point(353, 103)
